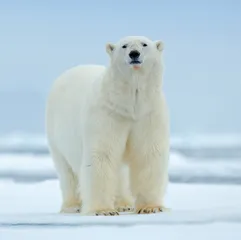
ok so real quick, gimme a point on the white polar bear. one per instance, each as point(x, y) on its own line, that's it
point(100, 118)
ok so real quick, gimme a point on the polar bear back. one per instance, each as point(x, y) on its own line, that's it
point(65, 103)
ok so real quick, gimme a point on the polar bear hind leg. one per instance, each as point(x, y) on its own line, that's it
point(71, 202)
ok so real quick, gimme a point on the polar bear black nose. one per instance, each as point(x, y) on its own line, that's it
point(134, 54)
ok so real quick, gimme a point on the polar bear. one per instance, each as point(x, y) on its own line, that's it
point(108, 132)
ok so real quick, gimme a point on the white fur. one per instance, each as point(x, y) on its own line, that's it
point(101, 118)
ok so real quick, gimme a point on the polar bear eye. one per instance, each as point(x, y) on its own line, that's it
point(124, 46)
point(144, 44)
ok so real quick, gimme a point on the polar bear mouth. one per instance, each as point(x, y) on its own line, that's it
point(135, 62)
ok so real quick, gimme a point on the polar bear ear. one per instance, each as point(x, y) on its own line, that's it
point(159, 45)
point(110, 48)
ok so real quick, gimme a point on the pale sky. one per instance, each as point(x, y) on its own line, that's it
point(202, 55)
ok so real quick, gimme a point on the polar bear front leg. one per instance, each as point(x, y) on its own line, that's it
point(99, 181)
point(149, 165)
point(124, 199)
point(103, 149)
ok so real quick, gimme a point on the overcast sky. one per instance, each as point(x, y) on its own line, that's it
point(202, 55)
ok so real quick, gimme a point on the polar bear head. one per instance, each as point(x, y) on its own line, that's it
point(135, 53)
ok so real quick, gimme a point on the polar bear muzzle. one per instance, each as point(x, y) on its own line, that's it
point(134, 56)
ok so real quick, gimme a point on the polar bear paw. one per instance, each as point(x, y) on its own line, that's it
point(106, 213)
point(125, 209)
point(124, 205)
point(70, 210)
point(151, 209)
point(71, 206)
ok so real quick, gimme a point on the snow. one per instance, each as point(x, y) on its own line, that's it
point(200, 211)
point(194, 159)
point(24, 142)
point(207, 140)
point(47, 198)
point(21, 142)
point(197, 232)
point(34, 168)
point(204, 194)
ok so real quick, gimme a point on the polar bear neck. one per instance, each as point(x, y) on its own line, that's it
point(132, 97)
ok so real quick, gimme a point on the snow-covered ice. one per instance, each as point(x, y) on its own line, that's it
point(34, 168)
point(194, 159)
point(168, 232)
point(208, 208)
point(200, 211)
point(20, 142)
